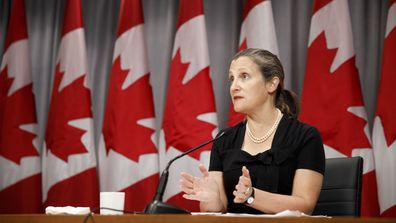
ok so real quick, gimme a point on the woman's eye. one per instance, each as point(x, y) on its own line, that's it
point(231, 79)
point(245, 76)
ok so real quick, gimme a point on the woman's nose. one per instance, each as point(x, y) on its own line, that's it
point(234, 86)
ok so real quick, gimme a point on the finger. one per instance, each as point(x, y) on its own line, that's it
point(238, 198)
point(186, 183)
point(191, 197)
point(236, 194)
point(203, 170)
point(187, 176)
point(240, 188)
point(245, 172)
point(245, 181)
point(195, 197)
point(196, 180)
point(242, 180)
point(187, 190)
point(239, 194)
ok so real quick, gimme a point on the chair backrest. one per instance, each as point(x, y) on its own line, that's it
point(341, 189)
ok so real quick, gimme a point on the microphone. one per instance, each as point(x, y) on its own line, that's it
point(157, 206)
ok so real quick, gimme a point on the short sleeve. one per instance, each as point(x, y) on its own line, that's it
point(312, 154)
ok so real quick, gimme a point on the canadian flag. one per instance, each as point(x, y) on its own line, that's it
point(257, 31)
point(69, 165)
point(128, 159)
point(20, 167)
point(332, 99)
point(384, 131)
point(190, 113)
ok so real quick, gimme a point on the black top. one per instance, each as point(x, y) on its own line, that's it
point(295, 146)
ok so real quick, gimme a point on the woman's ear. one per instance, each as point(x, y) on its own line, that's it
point(272, 85)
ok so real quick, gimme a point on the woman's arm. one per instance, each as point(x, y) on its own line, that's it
point(306, 188)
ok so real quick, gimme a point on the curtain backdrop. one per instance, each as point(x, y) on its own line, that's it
point(223, 20)
point(223, 24)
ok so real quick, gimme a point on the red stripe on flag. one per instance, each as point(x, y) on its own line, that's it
point(18, 23)
point(140, 194)
point(79, 190)
point(131, 14)
point(320, 4)
point(22, 197)
point(73, 17)
point(386, 105)
point(369, 205)
point(188, 10)
point(249, 5)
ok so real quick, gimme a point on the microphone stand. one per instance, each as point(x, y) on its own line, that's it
point(157, 206)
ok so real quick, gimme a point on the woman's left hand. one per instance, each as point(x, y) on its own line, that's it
point(244, 187)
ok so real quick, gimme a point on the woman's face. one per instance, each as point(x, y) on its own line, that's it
point(248, 88)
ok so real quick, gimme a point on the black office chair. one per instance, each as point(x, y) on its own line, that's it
point(342, 187)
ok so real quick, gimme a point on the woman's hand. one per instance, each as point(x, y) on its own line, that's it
point(244, 187)
point(203, 189)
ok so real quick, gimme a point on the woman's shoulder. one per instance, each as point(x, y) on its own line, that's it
point(298, 129)
point(233, 129)
point(230, 136)
point(306, 144)
point(300, 126)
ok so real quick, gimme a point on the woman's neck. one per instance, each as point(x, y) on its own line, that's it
point(263, 119)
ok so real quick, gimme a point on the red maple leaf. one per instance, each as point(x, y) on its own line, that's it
point(327, 96)
point(185, 102)
point(71, 103)
point(124, 109)
point(16, 110)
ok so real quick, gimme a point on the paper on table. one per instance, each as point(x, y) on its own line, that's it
point(286, 213)
point(67, 210)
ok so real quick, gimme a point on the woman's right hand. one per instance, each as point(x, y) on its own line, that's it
point(203, 189)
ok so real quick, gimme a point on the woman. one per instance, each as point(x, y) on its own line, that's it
point(268, 163)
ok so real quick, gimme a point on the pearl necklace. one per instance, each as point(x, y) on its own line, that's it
point(268, 134)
